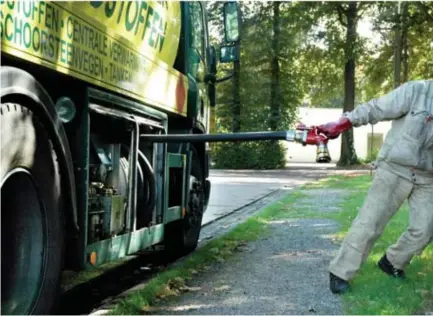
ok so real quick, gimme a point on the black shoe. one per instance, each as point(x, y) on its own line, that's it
point(338, 285)
point(388, 268)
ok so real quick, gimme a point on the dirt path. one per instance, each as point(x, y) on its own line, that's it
point(282, 273)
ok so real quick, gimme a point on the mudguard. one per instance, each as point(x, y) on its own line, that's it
point(19, 86)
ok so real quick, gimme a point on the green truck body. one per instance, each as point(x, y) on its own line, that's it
point(80, 82)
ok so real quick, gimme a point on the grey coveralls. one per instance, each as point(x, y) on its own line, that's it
point(404, 171)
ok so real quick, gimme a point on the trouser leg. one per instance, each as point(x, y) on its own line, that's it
point(420, 231)
point(385, 196)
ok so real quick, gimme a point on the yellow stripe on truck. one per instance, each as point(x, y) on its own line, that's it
point(128, 47)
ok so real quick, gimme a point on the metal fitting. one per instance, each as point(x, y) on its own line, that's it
point(297, 136)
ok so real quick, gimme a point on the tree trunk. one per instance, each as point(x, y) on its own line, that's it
point(275, 69)
point(397, 50)
point(405, 47)
point(236, 109)
point(348, 155)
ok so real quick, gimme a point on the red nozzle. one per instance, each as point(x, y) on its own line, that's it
point(314, 138)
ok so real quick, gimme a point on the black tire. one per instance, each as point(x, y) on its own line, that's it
point(32, 225)
point(181, 237)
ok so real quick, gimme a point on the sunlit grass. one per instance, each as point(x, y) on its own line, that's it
point(373, 292)
point(341, 182)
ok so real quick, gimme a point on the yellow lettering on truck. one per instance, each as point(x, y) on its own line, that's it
point(125, 46)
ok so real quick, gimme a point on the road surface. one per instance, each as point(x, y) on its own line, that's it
point(232, 189)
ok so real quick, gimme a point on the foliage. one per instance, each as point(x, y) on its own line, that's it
point(379, 64)
point(312, 59)
point(249, 155)
point(265, 103)
point(371, 156)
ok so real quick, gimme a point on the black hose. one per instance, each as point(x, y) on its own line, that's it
point(149, 176)
point(148, 183)
point(191, 138)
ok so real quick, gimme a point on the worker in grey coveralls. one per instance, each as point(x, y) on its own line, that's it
point(404, 171)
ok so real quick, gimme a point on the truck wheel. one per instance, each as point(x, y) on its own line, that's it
point(181, 237)
point(31, 228)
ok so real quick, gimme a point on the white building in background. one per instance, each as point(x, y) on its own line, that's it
point(317, 116)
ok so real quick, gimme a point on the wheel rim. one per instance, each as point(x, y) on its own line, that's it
point(23, 233)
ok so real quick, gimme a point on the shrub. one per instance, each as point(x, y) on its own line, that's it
point(249, 155)
point(370, 157)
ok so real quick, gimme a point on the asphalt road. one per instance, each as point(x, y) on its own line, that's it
point(232, 189)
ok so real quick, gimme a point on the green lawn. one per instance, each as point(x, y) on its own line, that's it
point(373, 291)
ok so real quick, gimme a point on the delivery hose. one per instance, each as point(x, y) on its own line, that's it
point(291, 136)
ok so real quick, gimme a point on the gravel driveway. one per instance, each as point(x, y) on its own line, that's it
point(282, 273)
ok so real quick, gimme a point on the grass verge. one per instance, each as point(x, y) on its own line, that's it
point(172, 281)
point(373, 292)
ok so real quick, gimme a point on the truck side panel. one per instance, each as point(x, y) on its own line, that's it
point(126, 47)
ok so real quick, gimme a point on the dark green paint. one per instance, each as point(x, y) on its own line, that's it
point(82, 177)
point(175, 160)
point(173, 213)
point(126, 244)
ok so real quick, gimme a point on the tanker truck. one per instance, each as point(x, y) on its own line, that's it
point(104, 116)
point(80, 83)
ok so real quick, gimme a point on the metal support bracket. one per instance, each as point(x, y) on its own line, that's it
point(131, 216)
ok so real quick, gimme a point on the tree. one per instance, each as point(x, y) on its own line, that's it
point(236, 109)
point(340, 39)
point(394, 18)
point(296, 53)
point(275, 69)
point(391, 63)
point(398, 45)
point(348, 16)
point(215, 9)
point(270, 83)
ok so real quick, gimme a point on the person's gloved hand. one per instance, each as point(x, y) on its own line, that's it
point(333, 129)
point(313, 138)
